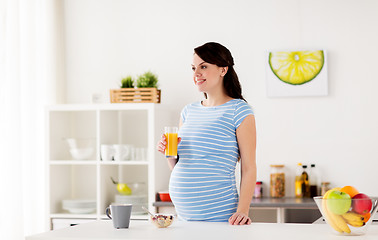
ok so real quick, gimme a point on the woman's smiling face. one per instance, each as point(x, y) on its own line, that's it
point(207, 76)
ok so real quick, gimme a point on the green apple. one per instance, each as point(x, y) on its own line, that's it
point(338, 202)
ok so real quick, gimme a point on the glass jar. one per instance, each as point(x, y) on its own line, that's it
point(324, 188)
point(277, 181)
point(258, 190)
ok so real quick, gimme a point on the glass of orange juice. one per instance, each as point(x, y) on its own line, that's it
point(171, 138)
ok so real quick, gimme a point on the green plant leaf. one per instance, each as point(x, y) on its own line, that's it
point(147, 80)
point(127, 82)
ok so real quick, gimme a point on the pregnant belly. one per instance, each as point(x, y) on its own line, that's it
point(201, 189)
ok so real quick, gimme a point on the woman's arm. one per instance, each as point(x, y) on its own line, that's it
point(246, 137)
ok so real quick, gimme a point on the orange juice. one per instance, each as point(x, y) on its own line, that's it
point(171, 148)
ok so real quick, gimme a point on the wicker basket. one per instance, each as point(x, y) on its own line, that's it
point(135, 95)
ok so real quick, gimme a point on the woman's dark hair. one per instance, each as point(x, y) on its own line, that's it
point(215, 53)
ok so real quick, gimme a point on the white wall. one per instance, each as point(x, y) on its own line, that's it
point(108, 39)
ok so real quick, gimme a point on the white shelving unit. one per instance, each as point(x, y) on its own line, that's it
point(139, 124)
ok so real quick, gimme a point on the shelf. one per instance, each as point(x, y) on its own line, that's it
point(125, 163)
point(94, 162)
point(71, 215)
point(139, 125)
point(73, 162)
point(101, 107)
point(133, 216)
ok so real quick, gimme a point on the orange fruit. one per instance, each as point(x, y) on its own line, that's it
point(352, 191)
point(366, 217)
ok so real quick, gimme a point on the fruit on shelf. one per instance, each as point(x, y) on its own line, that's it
point(338, 202)
point(122, 188)
point(352, 191)
point(337, 222)
point(363, 205)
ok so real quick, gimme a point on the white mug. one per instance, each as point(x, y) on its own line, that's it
point(121, 151)
point(107, 152)
point(129, 150)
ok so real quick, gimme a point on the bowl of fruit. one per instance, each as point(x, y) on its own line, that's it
point(346, 210)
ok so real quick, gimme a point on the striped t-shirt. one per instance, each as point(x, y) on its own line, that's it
point(202, 184)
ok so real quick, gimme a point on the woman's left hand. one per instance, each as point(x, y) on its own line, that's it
point(239, 218)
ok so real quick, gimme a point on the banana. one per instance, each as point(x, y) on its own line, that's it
point(340, 222)
point(353, 217)
point(327, 214)
point(356, 224)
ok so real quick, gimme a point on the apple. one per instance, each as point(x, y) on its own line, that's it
point(361, 203)
point(338, 202)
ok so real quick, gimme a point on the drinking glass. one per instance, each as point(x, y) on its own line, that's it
point(171, 138)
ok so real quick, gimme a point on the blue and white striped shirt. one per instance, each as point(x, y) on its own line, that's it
point(202, 184)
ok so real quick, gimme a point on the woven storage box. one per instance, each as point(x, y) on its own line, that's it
point(135, 95)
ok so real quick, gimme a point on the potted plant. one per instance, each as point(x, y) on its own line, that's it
point(127, 82)
point(147, 80)
point(145, 92)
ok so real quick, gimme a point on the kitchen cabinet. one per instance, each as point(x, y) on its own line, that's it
point(137, 124)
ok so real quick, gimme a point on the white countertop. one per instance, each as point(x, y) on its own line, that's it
point(181, 230)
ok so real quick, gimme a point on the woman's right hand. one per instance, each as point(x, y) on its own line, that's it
point(162, 143)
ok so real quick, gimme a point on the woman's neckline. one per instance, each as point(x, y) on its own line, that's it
point(201, 104)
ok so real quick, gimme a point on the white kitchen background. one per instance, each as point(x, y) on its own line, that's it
point(89, 45)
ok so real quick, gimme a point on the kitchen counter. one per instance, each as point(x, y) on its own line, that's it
point(279, 204)
point(198, 230)
point(286, 202)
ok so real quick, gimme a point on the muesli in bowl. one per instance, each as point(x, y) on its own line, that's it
point(162, 220)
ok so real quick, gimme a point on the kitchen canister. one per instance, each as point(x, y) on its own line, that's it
point(258, 190)
point(277, 181)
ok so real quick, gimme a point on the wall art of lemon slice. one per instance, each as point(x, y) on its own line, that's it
point(296, 67)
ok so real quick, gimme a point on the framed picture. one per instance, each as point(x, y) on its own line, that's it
point(296, 73)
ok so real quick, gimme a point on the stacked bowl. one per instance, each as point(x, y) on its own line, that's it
point(136, 200)
point(79, 206)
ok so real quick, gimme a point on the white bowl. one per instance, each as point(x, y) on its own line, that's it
point(130, 199)
point(81, 142)
point(79, 203)
point(80, 210)
point(81, 153)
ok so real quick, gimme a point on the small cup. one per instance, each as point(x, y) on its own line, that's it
point(107, 152)
point(121, 151)
point(129, 147)
point(171, 138)
point(120, 214)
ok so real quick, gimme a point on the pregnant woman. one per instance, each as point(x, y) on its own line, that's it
point(214, 135)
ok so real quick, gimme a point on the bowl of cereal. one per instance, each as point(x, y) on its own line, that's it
point(162, 220)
